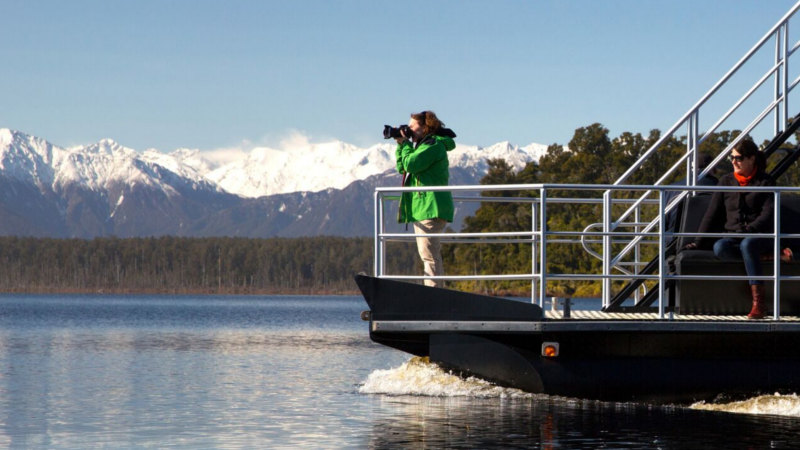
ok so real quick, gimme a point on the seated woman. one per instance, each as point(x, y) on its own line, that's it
point(742, 212)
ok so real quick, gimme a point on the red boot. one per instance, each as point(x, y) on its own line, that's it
point(759, 303)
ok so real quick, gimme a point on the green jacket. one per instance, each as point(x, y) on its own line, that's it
point(425, 164)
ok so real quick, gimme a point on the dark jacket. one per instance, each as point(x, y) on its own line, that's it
point(738, 212)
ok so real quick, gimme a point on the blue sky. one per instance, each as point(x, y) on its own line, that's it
point(210, 74)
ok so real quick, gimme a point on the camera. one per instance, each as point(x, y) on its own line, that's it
point(391, 132)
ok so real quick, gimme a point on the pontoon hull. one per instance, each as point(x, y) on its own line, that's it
point(642, 360)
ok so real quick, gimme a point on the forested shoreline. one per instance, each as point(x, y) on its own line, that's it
point(326, 265)
point(179, 265)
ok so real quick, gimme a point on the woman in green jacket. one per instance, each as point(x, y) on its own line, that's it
point(422, 160)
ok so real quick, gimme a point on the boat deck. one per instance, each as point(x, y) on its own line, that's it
point(599, 315)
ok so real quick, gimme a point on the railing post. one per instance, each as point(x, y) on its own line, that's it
point(778, 83)
point(534, 249)
point(691, 147)
point(606, 248)
point(637, 217)
point(542, 246)
point(776, 262)
point(785, 76)
point(378, 228)
point(662, 260)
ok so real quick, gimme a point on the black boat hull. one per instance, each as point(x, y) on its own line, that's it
point(655, 361)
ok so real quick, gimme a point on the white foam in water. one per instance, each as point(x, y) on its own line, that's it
point(418, 376)
point(777, 404)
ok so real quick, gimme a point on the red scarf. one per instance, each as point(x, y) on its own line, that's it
point(744, 181)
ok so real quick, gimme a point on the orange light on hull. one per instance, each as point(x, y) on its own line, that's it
point(549, 349)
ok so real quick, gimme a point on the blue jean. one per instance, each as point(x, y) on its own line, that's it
point(748, 249)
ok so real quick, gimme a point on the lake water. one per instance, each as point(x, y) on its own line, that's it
point(82, 371)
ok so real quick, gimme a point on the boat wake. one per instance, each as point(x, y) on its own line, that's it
point(776, 404)
point(419, 376)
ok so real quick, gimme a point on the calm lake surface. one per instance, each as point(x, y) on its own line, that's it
point(81, 371)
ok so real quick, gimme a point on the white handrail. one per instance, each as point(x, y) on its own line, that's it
point(539, 237)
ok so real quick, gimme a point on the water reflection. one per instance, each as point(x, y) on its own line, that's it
point(224, 341)
point(298, 373)
point(422, 405)
point(86, 372)
point(554, 423)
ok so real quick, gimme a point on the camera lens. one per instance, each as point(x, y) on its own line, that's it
point(392, 132)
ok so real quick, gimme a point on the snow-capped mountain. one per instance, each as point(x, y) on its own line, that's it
point(317, 167)
point(27, 158)
point(108, 189)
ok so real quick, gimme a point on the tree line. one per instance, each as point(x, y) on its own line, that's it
point(191, 265)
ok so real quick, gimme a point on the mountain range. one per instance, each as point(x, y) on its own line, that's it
point(106, 189)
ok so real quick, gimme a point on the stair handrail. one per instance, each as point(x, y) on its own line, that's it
point(673, 204)
point(691, 118)
point(695, 109)
point(774, 104)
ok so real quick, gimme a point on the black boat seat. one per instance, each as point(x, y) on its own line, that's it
point(726, 297)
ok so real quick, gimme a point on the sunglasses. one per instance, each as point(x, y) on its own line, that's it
point(737, 158)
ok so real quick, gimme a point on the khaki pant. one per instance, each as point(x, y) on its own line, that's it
point(430, 249)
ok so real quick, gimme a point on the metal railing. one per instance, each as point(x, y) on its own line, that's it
point(541, 198)
point(778, 106)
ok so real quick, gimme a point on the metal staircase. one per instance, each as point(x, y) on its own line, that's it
point(775, 78)
point(644, 303)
